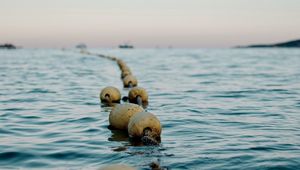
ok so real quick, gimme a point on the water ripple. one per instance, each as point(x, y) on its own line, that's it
point(220, 109)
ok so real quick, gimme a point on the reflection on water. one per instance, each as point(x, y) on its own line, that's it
point(117, 135)
point(220, 109)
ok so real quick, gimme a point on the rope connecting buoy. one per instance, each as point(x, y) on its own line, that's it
point(138, 95)
point(146, 126)
point(121, 114)
point(110, 95)
point(111, 58)
point(130, 81)
point(120, 62)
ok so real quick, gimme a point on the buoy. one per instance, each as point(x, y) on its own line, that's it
point(120, 115)
point(110, 95)
point(155, 166)
point(117, 167)
point(138, 95)
point(130, 81)
point(146, 126)
point(121, 63)
point(125, 68)
point(125, 73)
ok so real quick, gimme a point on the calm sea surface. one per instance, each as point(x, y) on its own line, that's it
point(220, 108)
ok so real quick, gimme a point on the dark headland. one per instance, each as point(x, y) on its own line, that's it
point(288, 44)
point(8, 46)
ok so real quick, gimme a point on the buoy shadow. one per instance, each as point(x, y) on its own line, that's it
point(108, 105)
point(122, 136)
point(118, 135)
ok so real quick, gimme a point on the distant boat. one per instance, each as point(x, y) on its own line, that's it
point(7, 46)
point(125, 46)
point(81, 46)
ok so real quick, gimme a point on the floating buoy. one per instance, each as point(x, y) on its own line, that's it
point(146, 126)
point(110, 95)
point(117, 167)
point(109, 57)
point(138, 95)
point(125, 68)
point(121, 63)
point(130, 81)
point(125, 73)
point(120, 115)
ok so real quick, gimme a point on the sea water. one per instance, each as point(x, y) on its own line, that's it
point(219, 108)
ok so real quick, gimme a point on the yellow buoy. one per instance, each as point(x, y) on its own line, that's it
point(142, 122)
point(121, 63)
point(120, 115)
point(117, 167)
point(138, 95)
point(125, 73)
point(130, 81)
point(125, 68)
point(110, 95)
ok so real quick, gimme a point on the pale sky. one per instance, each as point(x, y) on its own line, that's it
point(148, 23)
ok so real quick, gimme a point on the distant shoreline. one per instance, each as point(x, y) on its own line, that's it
point(8, 46)
point(287, 44)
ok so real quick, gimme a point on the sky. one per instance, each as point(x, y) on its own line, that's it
point(148, 23)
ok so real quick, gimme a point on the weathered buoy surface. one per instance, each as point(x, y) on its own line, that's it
point(122, 64)
point(125, 68)
point(125, 73)
point(136, 94)
point(130, 81)
point(142, 122)
point(121, 114)
point(117, 167)
point(110, 95)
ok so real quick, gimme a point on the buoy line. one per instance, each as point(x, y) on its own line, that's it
point(131, 117)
